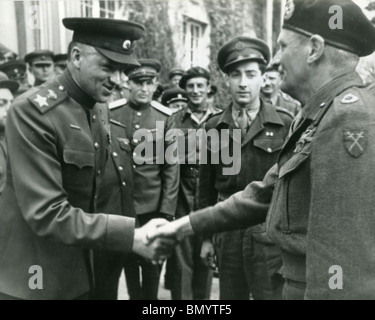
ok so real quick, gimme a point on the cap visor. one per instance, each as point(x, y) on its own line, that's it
point(118, 57)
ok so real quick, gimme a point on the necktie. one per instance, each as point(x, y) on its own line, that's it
point(243, 121)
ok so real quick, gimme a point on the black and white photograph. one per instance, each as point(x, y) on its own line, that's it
point(187, 150)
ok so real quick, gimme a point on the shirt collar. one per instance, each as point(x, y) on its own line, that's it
point(211, 110)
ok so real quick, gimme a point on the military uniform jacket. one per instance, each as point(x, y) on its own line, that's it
point(260, 148)
point(322, 210)
point(57, 148)
point(3, 158)
point(188, 151)
point(155, 180)
point(286, 102)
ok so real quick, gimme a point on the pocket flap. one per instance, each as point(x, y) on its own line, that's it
point(79, 158)
point(294, 163)
point(269, 145)
point(124, 144)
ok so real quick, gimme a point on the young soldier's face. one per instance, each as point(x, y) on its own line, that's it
point(141, 91)
point(6, 98)
point(244, 81)
point(271, 83)
point(42, 72)
point(197, 90)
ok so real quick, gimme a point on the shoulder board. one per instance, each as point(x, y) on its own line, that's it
point(117, 103)
point(117, 123)
point(283, 110)
point(158, 106)
point(48, 97)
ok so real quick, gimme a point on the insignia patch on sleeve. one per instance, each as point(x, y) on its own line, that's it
point(355, 142)
point(349, 98)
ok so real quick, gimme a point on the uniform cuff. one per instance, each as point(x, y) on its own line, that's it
point(202, 222)
point(120, 233)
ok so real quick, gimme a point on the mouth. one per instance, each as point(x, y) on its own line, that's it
point(108, 88)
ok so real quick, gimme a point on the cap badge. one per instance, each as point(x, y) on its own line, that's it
point(179, 96)
point(42, 101)
point(239, 46)
point(289, 9)
point(127, 44)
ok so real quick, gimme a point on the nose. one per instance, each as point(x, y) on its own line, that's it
point(243, 81)
point(116, 77)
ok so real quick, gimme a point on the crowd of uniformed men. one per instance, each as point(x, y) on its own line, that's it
point(79, 199)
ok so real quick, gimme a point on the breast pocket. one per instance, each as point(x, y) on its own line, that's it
point(78, 167)
point(269, 145)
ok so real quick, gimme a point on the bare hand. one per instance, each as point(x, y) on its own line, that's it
point(208, 254)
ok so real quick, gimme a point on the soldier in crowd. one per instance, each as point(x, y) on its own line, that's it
point(174, 76)
point(322, 208)
point(16, 71)
point(7, 90)
point(155, 180)
point(248, 261)
point(211, 95)
point(56, 137)
point(175, 99)
point(40, 65)
point(6, 54)
point(192, 278)
point(271, 92)
point(60, 61)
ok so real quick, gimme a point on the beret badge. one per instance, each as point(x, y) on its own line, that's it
point(289, 9)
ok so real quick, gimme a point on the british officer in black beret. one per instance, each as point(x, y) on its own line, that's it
point(58, 143)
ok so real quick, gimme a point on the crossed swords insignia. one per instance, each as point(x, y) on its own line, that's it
point(357, 140)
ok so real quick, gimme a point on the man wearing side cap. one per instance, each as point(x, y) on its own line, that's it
point(248, 261)
point(192, 279)
point(40, 65)
point(175, 99)
point(174, 76)
point(57, 151)
point(16, 71)
point(7, 90)
point(321, 213)
point(155, 180)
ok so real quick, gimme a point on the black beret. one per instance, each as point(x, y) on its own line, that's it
point(13, 68)
point(111, 37)
point(148, 68)
point(39, 57)
point(241, 49)
point(8, 84)
point(60, 59)
point(173, 95)
point(195, 72)
point(310, 17)
point(175, 71)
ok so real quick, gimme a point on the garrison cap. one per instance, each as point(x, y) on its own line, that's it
point(309, 17)
point(14, 69)
point(38, 57)
point(241, 49)
point(174, 72)
point(8, 84)
point(195, 72)
point(173, 95)
point(148, 69)
point(111, 37)
point(60, 59)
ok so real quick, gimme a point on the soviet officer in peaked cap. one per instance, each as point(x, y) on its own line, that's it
point(40, 65)
point(175, 99)
point(58, 145)
point(174, 76)
point(16, 71)
point(155, 179)
point(322, 189)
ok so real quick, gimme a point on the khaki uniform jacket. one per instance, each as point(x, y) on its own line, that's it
point(322, 209)
point(57, 148)
point(3, 159)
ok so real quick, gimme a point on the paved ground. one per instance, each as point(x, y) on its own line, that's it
point(163, 293)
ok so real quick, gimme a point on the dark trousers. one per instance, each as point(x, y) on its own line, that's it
point(191, 278)
point(247, 267)
point(142, 277)
point(107, 270)
point(294, 290)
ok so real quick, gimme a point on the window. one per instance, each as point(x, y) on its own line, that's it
point(192, 34)
point(100, 9)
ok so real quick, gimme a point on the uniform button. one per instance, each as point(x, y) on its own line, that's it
point(124, 183)
point(135, 140)
point(134, 154)
point(115, 154)
point(93, 118)
point(98, 172)
point(139, 114)
point(121, 168)
point(134, 166)
point(271, 134)
point(61, 88)
point(137, 126)
point(267, 134)
point(96, 145)
point(269, 150)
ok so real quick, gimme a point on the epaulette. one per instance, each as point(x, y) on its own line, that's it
point(117, 103)
point(117, 123)
point(48, 97)
point(158, 106)
point(283, 110)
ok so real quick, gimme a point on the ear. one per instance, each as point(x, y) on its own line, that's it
point(76, 56)
point(316, 48)
point(226, 79)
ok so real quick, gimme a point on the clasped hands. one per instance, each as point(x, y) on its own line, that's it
point(157, 238)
